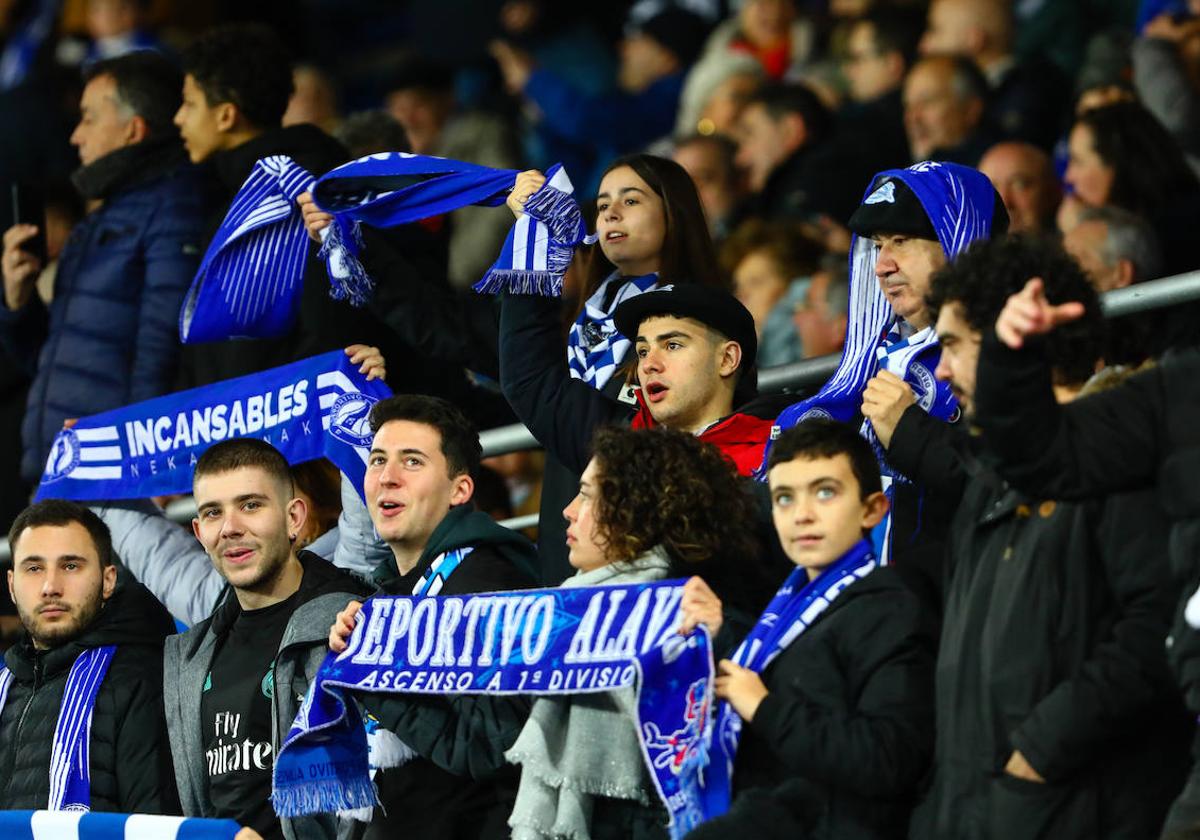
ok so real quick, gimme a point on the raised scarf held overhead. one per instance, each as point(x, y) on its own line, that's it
point(317, 407)
point(535, 642)
point(394, 188)
point(249, 282)
point(795, 608)
point(70, 774)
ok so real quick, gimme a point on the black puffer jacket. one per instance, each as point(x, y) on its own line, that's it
point(836, 749)
point(129, 753)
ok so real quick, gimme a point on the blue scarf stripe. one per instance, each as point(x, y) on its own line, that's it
point(317, 407)
point(69, 770)
point(70, 825)
point(249, 280)
point(595, 348)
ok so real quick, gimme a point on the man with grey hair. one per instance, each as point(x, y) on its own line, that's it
point(1115, 247)
point(110, 336)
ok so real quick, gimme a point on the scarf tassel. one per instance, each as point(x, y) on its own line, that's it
point(348, 280)
point(325, 796)
point(517, 282)
point(557, 212)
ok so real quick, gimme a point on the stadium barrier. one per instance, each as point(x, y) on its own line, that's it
point(796, 377)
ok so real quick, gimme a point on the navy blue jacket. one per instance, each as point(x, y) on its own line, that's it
point(110, 336)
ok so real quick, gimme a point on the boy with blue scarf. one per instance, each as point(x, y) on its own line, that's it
point(831, 694)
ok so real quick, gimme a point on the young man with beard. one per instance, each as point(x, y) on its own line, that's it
point(1056, 716)
point(234, 682)
point(419, 483)
point(91, 656)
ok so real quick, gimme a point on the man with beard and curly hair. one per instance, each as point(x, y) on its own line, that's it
point(1056, 715)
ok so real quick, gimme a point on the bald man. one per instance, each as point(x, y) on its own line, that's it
point(1027, 100)
point(944, 98)
point(1024, 176)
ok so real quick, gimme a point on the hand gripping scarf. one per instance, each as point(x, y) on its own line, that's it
point(70, 774)
point(313, 408)
point(250, 280)
point(795, 608)
point(395, 188)
point(541, 642)
point(959, 202)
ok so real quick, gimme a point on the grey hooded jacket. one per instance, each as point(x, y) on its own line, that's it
point(187, 660)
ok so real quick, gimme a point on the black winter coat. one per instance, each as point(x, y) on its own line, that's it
point(110, 336)
point(1145, 433)
point(1052, 645)
point(837, 748)
point(128, 753)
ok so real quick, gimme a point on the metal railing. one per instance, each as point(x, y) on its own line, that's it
point(1142, 297)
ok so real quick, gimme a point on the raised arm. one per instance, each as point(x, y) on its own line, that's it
point(166, 559)
point(1097, 445)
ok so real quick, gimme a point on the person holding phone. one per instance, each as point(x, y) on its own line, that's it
point(110, 335)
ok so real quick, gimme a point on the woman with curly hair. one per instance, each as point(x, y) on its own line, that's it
point(652, 504)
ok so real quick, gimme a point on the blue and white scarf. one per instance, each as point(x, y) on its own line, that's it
point(535, 642)
point(317, 407)
point(70, 774)
point(440, 569)
point(75, 825)
point(394, 188)
point(959, 202)
point(595, 348)
point(249, 282)
point(795, 608)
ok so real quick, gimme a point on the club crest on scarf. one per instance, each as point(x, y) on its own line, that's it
point(248, 284)
point(350, 418)
point(318, 407)
point(535, 642)
point(959, 202)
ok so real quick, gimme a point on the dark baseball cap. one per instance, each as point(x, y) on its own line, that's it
point(716, 308)
point(892, 208)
